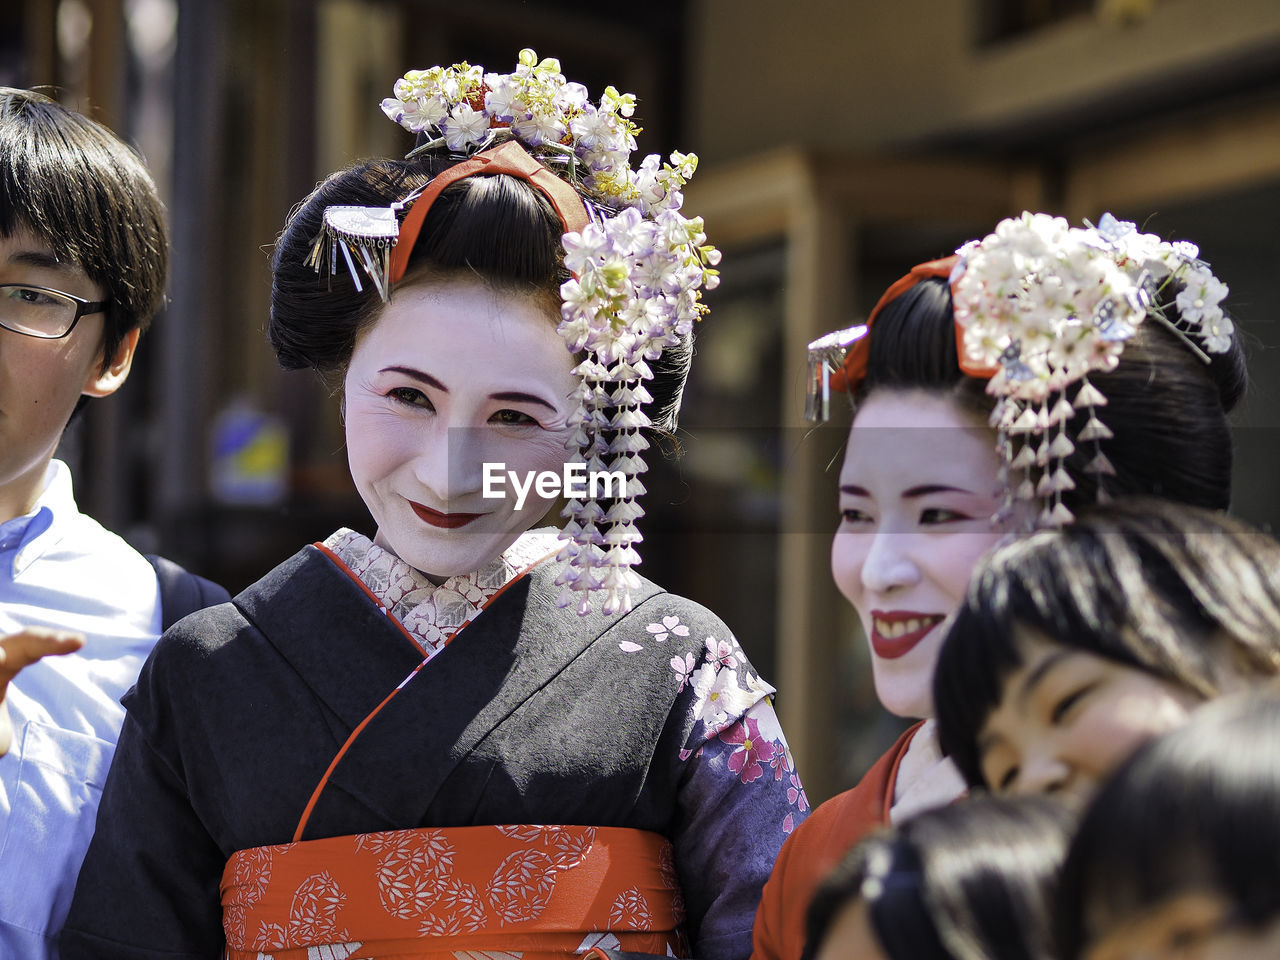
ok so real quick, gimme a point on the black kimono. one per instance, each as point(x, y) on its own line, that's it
point(652, 720)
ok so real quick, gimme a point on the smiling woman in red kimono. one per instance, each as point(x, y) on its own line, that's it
point(463, 735)
point(928, 484)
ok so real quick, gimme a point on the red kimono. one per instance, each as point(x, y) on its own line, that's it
point(817, 845)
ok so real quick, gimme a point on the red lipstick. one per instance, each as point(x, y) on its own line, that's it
point(448, 521)
point(905, 629)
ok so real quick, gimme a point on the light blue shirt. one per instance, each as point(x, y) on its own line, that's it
point(62, 569)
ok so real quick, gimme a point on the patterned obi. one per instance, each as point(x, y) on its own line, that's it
point(540, 892)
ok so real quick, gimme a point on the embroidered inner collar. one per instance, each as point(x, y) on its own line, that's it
point(432, 612)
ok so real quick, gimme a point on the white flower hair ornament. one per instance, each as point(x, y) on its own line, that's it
point(1042, 305)
point(1038, 307)
point(637, 264)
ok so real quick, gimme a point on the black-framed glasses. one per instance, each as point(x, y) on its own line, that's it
point(43, 312)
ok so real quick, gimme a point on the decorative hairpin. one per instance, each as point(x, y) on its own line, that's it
point(839, 360)
point(370, 231)
point(1050, 304)
point(638, 265)
point(827, 356)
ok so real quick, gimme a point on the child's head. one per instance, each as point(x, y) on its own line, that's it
point(970, 881)
point(1176, 854)
point(78, 190)
point(1074, 646)
point(83, 255)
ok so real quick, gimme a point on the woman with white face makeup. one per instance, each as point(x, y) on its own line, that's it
point(917, 497)
point(462, 733)
point(979, 405)
point(1073, 647)
point(919, 488)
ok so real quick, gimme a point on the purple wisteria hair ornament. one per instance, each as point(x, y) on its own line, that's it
point(1052, 304)
point(638, 266)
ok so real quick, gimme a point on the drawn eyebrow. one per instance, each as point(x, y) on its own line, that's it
point(927, 489)
point(911, 493)
point(514, 396)
point(508, 396)
point(418, 375)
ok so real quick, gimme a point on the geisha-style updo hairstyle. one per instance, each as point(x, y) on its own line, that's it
point(499, 229)
point(912, 346)
point(1167, 408)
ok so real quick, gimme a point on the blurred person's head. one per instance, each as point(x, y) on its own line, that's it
point(83, 261)
point(1075, 646)
point(1175, 856)
point(969, 881)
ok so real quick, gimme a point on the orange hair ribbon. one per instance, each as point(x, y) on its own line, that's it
point(509, 158)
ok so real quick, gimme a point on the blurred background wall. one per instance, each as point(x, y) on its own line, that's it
point(841, 142)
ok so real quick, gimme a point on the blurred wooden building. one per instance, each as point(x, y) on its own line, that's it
point(841, 142)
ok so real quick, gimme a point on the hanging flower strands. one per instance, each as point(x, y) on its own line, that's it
point(638, 265)
point(1047, 304)
point(634, 293)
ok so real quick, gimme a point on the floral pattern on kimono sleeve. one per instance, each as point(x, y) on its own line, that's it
point(739, 794)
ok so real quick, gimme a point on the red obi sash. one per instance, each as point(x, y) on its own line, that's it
point(538, 891)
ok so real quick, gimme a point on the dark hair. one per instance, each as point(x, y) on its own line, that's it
point(1189, 595)
point(1167, 408)
point(82, 191)
point(1192, 811)
point(912, 346)
point(969, 881)
point(497, 228)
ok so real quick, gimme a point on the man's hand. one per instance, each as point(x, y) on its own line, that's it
point(22, 649)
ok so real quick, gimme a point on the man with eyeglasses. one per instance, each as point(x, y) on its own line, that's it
point(83, 257)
